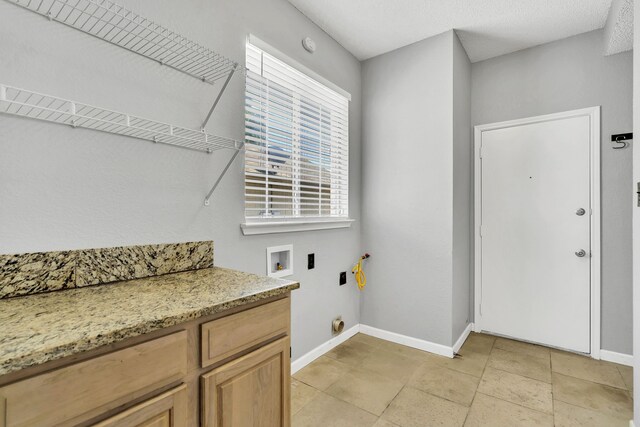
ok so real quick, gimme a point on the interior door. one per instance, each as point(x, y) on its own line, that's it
point(535, 232)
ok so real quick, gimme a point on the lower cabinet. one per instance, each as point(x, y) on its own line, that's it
point(74, 394)
point(252, 390)
point(227, 370)
point(167, 410)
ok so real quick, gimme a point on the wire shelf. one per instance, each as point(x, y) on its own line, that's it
point(119, 26)
point(25, 103)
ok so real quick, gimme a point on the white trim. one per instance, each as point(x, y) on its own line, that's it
point(463, 337)
point(323, 348)
point(416, 343)
point(631, 424)
point(253, 228)
point(619, 358)
point(594, 115)
point(288, 271)
point(419, 344)
point(266, 47)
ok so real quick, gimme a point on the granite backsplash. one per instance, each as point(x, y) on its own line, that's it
point(39, 272)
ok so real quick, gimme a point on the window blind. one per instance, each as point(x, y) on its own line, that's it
point(297, 143)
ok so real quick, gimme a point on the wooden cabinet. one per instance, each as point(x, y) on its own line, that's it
point(252, 390)
point(230, 335)
point(167, 410)
point(79, 392)
point(229, 369)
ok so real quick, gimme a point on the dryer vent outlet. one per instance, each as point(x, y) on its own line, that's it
point(338, 325)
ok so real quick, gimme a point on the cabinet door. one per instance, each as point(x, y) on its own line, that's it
point(167, 410)
point(88, 389)
point(251, 391)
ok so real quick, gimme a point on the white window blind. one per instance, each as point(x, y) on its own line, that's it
point(297, 144)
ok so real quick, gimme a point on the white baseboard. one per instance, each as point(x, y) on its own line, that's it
point(419, 344)
point(463, 337)
point(431, 347)
point(620, 358)
point(323, 348)
point(631, 424)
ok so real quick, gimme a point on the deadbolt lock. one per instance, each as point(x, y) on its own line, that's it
point(580, 212)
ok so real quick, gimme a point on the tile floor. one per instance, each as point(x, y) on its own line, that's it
point(494, 382)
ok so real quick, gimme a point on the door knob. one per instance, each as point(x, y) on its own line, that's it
point(580, 212)
point(581, 253)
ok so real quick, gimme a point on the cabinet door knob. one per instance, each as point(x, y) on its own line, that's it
point(580, 212)
point(581, 253)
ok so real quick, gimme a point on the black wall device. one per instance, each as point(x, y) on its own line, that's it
point(343, 278)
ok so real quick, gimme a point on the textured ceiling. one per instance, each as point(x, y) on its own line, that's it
point(619, 28)
point(487, 28)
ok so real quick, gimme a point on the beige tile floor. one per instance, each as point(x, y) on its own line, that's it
point(493, 382)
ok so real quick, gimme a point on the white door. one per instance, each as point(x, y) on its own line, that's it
point(535, 232)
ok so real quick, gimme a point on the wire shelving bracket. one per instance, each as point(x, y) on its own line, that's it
point(117, 25)
point(34, 105)
point(207, 199)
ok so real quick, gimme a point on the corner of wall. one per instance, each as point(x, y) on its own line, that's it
point(462, 234)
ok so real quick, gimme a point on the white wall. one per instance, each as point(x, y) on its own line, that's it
point(566, 75)
point(408, 192)
point(64, 189)
point(462, 190)
point(636, 220)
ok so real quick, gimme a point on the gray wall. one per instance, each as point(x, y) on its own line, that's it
point(408, 201)
point(636, 220)
point(62, 188)
point(462, 207)
point(566, 75)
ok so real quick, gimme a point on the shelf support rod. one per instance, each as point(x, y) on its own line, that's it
point(215, 103)
point(224, 171)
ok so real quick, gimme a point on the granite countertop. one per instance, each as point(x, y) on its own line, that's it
point(45, 327)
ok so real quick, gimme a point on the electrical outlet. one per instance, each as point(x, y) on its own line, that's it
point(311, 261)
point(343, 278)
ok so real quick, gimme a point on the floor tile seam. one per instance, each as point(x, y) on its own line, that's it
point(456, 371)
point(607, 414)
point(391, 401)
point(439, 397)
point(520, 375)
point(518, 404)
point(514, 403)
point(586, 380)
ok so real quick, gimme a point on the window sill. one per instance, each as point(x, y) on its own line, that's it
point(253, 228)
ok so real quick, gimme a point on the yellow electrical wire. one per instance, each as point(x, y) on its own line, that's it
point(361, 279)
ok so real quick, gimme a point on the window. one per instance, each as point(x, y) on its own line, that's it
point(297, 144)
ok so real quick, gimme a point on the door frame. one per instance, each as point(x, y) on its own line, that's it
point(594, 171)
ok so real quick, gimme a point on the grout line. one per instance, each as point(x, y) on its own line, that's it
point(439, 397)
point(514, 403)
point(520, 375)
point(589, 381)
point(391, 401)
point(471, 404)
point(311, 400)
point(406, 385)
point(608, 414)
point(553, 400)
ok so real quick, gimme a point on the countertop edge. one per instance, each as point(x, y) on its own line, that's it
point(41, 357)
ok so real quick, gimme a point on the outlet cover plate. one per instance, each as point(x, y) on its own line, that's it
point(343, 278)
